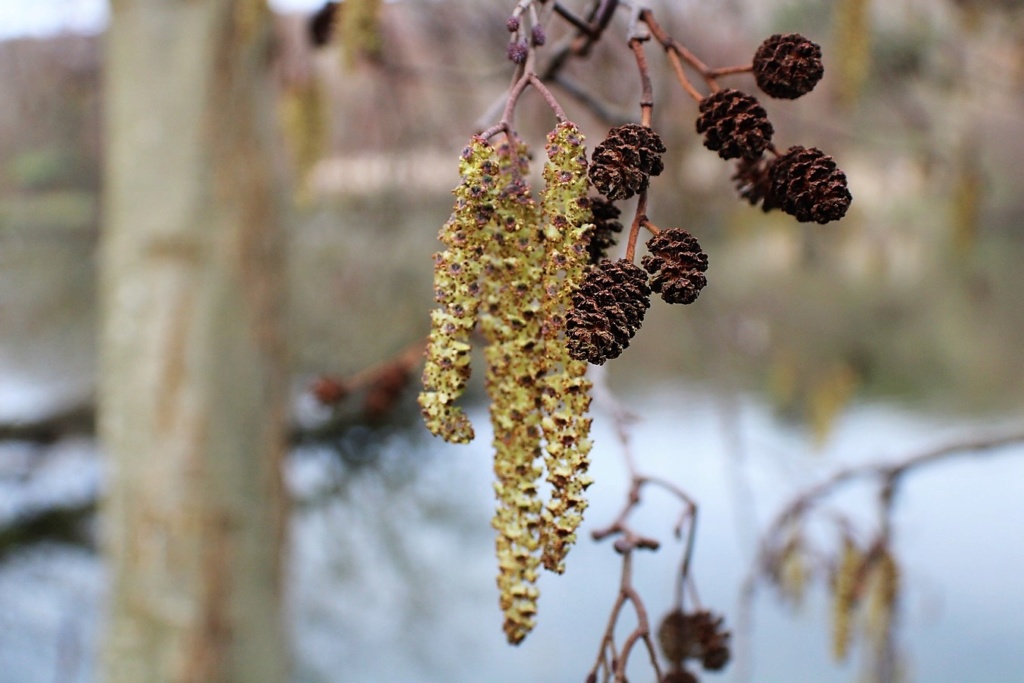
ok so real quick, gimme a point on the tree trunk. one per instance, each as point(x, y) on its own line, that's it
point(192, 402)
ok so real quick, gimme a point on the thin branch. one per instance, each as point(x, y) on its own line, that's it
point(582, 26)
point(647, 89)
point(684, 81)
point(639, 218)
point(548, 97)
point(890, 473)
point(730, 70)
point(505, 124)
point(677, 53)
point(76, 420)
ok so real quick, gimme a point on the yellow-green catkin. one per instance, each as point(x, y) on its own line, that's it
point(509, 269)
point(793, 574)
point(457, 272)
point(883, 584)
point(304, 119)
point(852, 48)
point(566, 395)
point(844, 598)
point(512, 285)
point(360, 31)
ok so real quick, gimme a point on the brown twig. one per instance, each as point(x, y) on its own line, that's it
point(647, 90)
point(639, 218)
point(611, 661)
point(891, 474)
point(608, 657)
point(505, 124)
point(548, 97)
point(677, 54)
point(582, 26)
point(730, 70)
point(578, 45)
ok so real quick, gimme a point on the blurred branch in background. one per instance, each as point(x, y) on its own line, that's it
point(863, 577)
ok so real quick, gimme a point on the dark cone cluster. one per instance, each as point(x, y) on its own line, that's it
point(694, 635)
point(734, 124)
point(623, 164)
point(677, 265)
point(607, 310)
point(606, 226)
point(788, 66)
point(806, 184)
point(679, 676)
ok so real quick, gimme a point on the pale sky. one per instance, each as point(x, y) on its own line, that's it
point(46, 17)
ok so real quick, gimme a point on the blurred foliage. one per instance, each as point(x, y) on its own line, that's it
point(852, 47)
point(303, 115)
point(360, 31)
point(44, 169)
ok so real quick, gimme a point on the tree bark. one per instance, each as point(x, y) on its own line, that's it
point(192, 390)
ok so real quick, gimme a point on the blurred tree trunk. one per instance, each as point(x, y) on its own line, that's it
point(192, 370)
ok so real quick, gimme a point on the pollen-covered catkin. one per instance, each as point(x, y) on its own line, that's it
point(457, 272)
point(511, 289)
point(510, 270)
point(566, 221)
point(844, 598)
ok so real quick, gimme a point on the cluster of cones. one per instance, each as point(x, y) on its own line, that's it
point(609, 307)
point(803, 182)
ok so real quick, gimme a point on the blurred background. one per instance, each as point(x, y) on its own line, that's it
point(813, 348)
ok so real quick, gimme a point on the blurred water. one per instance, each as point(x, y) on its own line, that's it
point(392, 566)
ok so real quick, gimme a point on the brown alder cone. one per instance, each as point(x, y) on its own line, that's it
point(623, 164)
point(607, 310)
point(676, 264)
point(734, 124)
point(787, 66)
point(806, 184)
